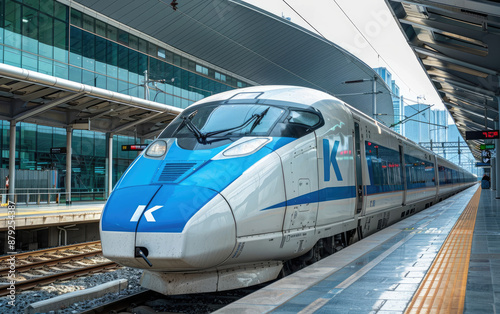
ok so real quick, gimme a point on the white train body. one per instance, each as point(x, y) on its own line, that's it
point(214, 204)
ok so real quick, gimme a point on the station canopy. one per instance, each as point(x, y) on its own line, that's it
point(231, 35)
point(458, 44)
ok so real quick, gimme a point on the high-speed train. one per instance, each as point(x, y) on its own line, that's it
point(252, 183)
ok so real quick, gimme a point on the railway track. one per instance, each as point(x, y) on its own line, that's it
point(150, 301)
point(43, 267)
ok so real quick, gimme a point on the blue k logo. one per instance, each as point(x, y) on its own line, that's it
point(331, 159)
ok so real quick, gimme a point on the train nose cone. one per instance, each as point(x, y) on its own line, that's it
point(181, 227)
point(187, 228)
point(119, 222)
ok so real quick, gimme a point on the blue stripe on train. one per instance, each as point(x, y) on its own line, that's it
point(323, 195)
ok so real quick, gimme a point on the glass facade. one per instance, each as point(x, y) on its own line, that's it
point(52, 38)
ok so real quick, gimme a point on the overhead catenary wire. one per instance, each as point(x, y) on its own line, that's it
point(325, 40)
point(369, 43)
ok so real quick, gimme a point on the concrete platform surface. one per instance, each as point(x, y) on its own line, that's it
point(381, 273)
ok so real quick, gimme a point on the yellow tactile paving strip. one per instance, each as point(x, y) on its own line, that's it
point(443, 288)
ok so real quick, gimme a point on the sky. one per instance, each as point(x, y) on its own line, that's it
point(367, 29)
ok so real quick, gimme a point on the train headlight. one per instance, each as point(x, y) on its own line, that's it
point(157, 149)
point(246, 148)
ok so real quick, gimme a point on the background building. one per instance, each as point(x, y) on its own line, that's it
point(51, 38)
point(397, 99)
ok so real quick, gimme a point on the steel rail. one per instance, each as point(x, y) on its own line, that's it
point(31, 283)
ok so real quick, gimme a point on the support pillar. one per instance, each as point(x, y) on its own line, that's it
point(12, 161)
point(374, 99)
point(109, 165)
point(69, 153)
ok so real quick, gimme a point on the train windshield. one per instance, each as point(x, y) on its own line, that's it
point(206, 123)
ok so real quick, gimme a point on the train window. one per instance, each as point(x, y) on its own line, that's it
point(215, 124)
point(384, 169)
point(206, 123)
point(303, 117)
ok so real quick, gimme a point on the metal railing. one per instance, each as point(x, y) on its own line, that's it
point(41, 196)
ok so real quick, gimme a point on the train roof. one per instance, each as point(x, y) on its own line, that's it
point(294, 94)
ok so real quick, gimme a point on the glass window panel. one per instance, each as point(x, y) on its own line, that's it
point(100, 144)
point(75, 74)
point(30, 44)
point(47, 6)
point(177, 100)
point(100, 67)
point(100, 49)
point(76, 142)
point(123, 57)
point(112, 70)
point(177, 59)
point(88, 78)
point(76, 18)
point(133, 42)
point(61, 70)
point(112, 32)
point(30, 30)
point(76, 47)
point(59, 137)
point(76, 38)
point(27, 136)
point(151, 49)
point(33, 3)
point(143, 63)
point(133, 89)
point(100, 80)
point(43, 139)
point(112, 54)
point(88, 45)
point(45, 32)
point(154, 68)
point(60, 11)
point(133, 61)
point(112, 84)
point(29, 61)
point(184, 63)
point(100, 28)
point(133, 78)
point(89, 64)
point(88, 23)
point(13, 24)
point(87, 143)
point(123, 87)
point(60, 35)
point(122, 37)
point(143, 45)
point(168, 72)
point(45, 65)
point(161, 53)
point(169, 56)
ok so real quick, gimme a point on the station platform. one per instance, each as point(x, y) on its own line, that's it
point(33, 216)
point(445, 259)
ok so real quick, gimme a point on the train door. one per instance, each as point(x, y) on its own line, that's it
point(403, 172)
point(300, 172)
point(359, 176)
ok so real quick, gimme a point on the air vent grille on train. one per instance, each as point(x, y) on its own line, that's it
point(174, 171)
